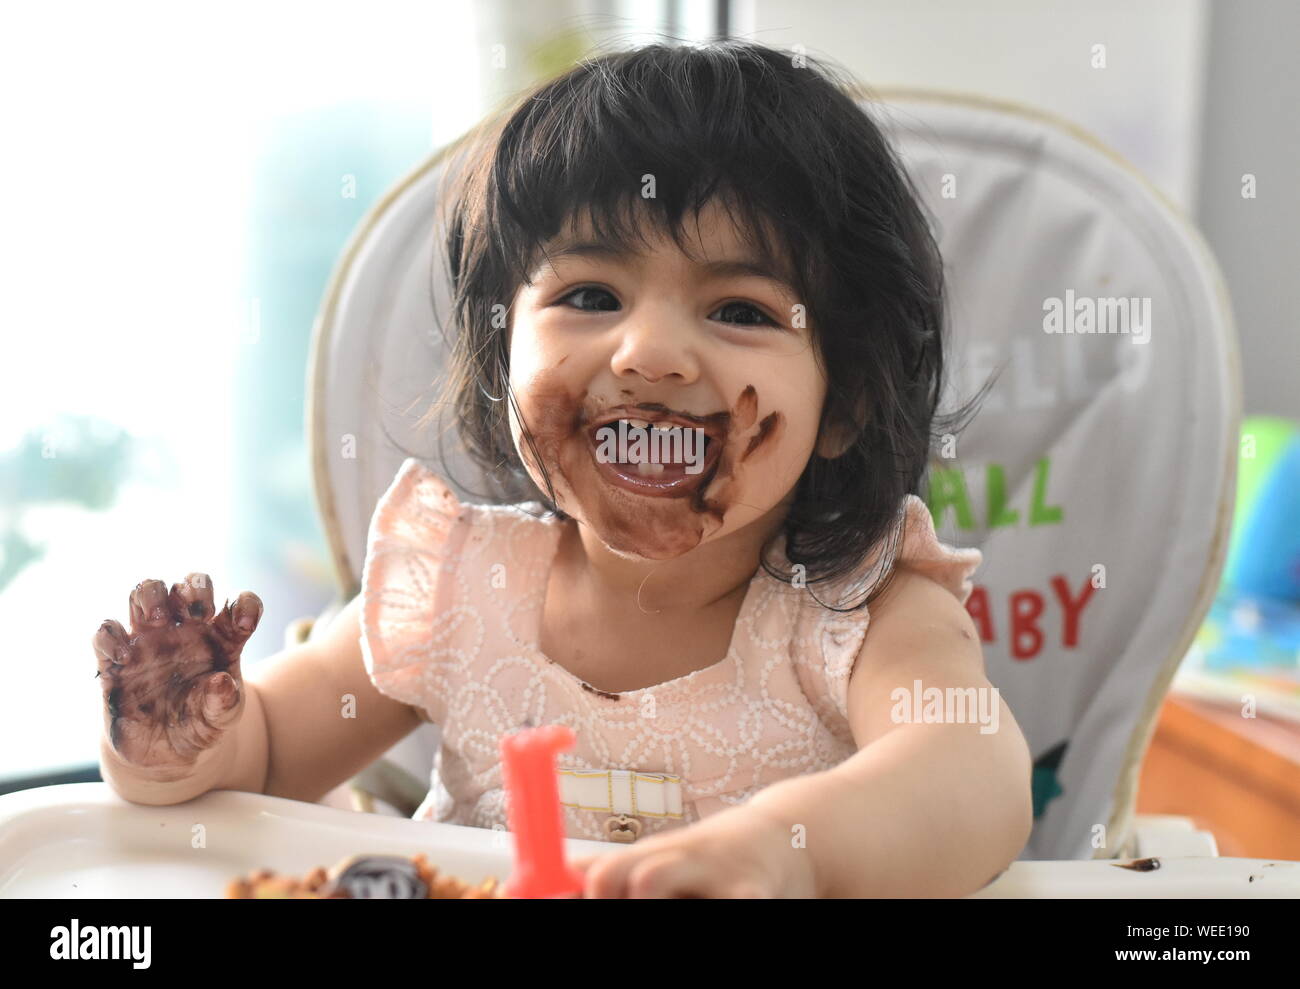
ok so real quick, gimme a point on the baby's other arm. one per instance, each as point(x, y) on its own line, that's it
point(923, 809)
point(324, 718)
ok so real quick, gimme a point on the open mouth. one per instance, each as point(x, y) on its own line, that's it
point(667, 457)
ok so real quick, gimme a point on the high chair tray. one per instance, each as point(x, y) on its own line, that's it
point(1184, 878)
point(82, 840)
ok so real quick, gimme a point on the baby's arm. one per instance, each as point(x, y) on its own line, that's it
point(922, 810)
point(311, 744)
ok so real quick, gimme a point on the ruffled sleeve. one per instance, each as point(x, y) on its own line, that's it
point(922, 552)
point(408, 549)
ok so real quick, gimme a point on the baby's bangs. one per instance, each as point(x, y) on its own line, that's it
point(629, 223)
point(585, 148)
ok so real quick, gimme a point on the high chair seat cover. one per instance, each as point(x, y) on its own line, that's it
point(1097, 479)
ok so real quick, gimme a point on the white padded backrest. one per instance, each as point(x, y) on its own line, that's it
point(1110, 462)
point(1115, 458)
point(377, 353)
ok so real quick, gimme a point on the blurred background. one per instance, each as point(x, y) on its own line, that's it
point(182, 180)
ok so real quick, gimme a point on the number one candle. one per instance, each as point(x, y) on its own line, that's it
point(534, 813)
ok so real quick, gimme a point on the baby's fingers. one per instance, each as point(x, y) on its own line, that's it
point(606, 877)
point(149, 606)
point(644, 875)
point(110, 642)
point(218, 700)
point(237, 621)
point(191, 599)
point(669, 876)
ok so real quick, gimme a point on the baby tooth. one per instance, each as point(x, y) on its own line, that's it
point(637, 423)
point(647, 469)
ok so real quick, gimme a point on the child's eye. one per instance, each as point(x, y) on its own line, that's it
point(588, 289)
point(763, 318)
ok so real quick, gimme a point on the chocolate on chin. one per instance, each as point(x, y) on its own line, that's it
point(364, 877)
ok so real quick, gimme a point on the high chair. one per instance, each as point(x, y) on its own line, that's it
point(1098, 479)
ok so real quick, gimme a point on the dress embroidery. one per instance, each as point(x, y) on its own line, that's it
point(452, 599)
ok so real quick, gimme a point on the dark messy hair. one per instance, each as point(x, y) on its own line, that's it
point(815, 189)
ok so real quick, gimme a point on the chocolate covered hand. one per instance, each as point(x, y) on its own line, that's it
point(173, 685)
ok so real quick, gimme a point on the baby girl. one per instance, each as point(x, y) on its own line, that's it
point(698, 336)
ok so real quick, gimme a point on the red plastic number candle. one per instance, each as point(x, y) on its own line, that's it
point(534, 812)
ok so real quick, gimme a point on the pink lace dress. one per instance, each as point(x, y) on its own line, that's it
point(452, 598)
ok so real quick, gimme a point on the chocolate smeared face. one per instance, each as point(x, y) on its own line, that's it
point(658, 425)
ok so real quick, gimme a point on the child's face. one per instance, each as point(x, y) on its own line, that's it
point(595, 337)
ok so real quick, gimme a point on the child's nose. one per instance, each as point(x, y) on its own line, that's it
point(654, 350)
